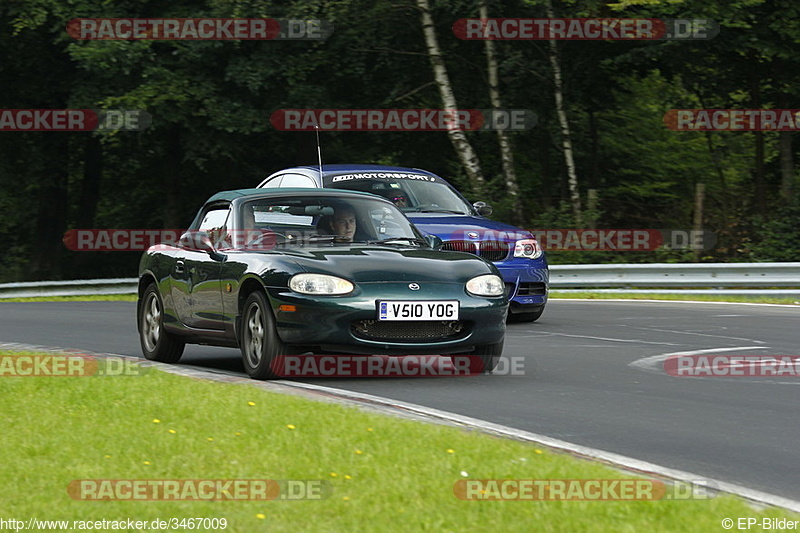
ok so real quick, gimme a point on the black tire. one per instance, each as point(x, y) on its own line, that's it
point(485, 355)
point(157, 343)
point(525, 317)
point(259, 341)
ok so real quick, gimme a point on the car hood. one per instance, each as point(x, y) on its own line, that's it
point(457, 227)
point(371, 263)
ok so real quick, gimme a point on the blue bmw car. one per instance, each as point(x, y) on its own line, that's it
point(437, 208)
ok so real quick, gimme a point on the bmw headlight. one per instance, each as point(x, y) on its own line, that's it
point(486, 285)
point(528, 248)
point(319, 284)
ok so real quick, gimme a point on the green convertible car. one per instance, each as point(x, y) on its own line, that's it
point(277, 272)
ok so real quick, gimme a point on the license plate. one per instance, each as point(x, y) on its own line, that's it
point(418, 310)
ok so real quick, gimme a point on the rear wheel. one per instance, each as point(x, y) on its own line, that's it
point(157, 343)
point(260, 343)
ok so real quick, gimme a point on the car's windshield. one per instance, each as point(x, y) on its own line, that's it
point(314, 220)
point(411, 195)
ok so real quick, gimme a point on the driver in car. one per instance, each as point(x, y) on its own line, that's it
point(343, 223)
point(400, 200)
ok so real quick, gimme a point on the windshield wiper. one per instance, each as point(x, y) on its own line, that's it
point(292, 240)
point(321, 238)
point(400, 240)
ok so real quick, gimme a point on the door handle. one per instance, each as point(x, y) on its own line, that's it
point(179, 267)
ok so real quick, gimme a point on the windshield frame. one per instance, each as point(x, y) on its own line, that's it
point(376, 220)
point(423, 194)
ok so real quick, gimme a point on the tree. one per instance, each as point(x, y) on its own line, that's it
point(506, 153)
point(566, 135)
point(466, 153)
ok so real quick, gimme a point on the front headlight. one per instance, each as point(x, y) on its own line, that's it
point(319, 284)
point(528, 248)
point(486, 285)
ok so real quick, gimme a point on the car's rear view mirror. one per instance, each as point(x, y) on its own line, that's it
point(317, 210)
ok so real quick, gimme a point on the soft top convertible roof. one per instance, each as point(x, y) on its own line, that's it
point(289, 191)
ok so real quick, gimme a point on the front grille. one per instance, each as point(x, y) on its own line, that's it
point(489, 250)
point(531, 289)
point(411, 331)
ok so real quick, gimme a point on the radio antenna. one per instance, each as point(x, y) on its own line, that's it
point(319, 153)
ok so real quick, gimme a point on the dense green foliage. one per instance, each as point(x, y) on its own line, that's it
point(211, 104)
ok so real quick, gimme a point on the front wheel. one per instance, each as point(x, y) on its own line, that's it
point(526, 317)
point(485, 355)
point(157, 343)
point(259, 340)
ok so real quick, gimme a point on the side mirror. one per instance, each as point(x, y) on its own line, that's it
point(483, 208)
point(201, 241)
point(434, 242)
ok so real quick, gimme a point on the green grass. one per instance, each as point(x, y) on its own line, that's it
point(658, 296)
point(60, 429)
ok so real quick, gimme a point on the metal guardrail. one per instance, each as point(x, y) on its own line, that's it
point(81, 287)
point(746, 293)
point(721, 278)
point(676, 275)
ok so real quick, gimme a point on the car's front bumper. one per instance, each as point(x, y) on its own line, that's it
point(349, 323)
point(527, 283)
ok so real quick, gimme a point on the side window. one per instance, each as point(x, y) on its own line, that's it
point(297, 180)
point(216, 223)
point(274, 182)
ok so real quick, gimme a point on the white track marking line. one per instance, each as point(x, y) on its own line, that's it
point(414, 411)
point(655, 363)
point(603, 456)
point(695, 333)
point(600, 338)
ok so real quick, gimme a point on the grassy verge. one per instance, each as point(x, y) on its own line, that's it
point(660, 296)
point(387, 474)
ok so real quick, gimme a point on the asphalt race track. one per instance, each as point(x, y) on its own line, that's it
point(578, 385)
